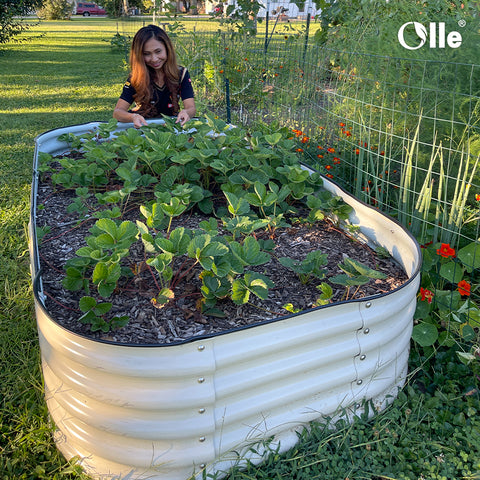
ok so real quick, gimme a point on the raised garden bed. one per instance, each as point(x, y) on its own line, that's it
point(205, 366)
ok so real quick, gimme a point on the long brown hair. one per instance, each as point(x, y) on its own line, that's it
point(142, 77)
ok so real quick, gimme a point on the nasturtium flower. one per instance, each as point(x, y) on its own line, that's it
point(464, 288)
point(446, 250)
point(426, 294)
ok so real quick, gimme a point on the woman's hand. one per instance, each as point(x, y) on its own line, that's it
point(138, 121)
point(182, 117)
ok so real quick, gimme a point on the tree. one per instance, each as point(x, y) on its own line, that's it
point(55, 10)
point(11, 11)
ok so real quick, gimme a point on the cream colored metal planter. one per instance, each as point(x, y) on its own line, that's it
point(165, 412)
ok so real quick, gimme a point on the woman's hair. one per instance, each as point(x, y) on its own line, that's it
point(142, 77)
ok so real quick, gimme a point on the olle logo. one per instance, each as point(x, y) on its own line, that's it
point(435, 34)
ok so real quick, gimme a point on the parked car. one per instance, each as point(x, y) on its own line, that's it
point(87, 9)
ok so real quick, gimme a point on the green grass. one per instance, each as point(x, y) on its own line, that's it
point(69, 76)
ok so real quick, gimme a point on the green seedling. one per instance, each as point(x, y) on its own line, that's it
point(94, 314)
point(356, 274)
point(311, 266)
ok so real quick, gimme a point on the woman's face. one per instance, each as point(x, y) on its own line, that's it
point(154, 54)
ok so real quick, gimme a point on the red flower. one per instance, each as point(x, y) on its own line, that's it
point(329, 175)
point(328, 167)
point(426, 295)
point(342, 124)
point(477, 197)
point(299, 150)
point(331, 150)
point(464, 288)
point(305, 140)
point(446, 250)
point(336, 160)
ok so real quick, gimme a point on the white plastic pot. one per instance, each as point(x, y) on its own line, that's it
point(169, 411)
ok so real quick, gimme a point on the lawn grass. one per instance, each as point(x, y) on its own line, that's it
point(71, 75)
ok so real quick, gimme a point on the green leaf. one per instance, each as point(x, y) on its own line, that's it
point(425, 334)
point(452, 272)
point(274, 138)
point(470, 256)
point(87, 303)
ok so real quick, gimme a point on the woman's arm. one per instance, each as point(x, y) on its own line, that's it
point(188, 111)
point(122, 114)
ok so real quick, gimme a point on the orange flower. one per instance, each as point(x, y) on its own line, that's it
point(446, 250)
point(336, 160)
point(426, 295)
point(319, 156)
point(357, 151)
point(305, 140)
point(329, 175)
point(328, 167)
point(319, 147)
point(348, 133)
point(221, 71)
point(299, 150)
point(477, 197)
point(341, 124)
point(464, 288)
point(330, 150)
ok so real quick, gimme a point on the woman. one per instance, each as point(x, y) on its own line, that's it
point(156, 82)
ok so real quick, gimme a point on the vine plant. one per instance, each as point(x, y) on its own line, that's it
point(244, 184)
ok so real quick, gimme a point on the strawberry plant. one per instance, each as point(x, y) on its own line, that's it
point(139, 186)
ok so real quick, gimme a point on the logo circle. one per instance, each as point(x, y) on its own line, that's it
point(421, 32)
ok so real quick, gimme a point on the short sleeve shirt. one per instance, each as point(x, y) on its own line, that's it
point(161, 95)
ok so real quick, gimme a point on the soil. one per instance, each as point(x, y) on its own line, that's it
point(181, 320)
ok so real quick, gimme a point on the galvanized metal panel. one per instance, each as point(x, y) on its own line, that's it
point(165, 411)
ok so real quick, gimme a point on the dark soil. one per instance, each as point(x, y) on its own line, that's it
point(181, 320)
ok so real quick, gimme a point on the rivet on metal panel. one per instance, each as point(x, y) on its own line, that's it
point(201, 380)
point(201, 439)
point(359, 382)
point(368, 304)
point(201, 348)
point(366, 331)
point(201, 410)
point(363, 357)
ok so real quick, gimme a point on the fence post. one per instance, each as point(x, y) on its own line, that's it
point(227, 82)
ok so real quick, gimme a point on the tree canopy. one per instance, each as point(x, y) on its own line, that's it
point(11, 12)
